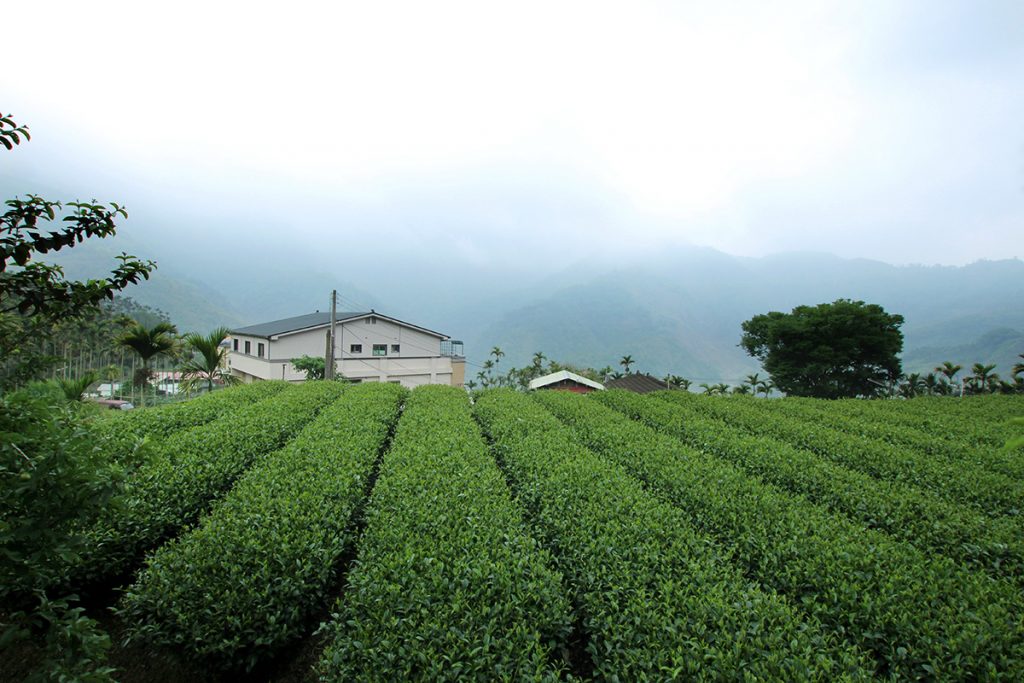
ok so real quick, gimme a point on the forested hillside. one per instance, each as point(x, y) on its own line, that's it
point(679, 313)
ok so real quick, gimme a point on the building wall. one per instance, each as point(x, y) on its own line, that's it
point(458, 372)
point(250, 367)
point(254, 343)
point(410, 371)
point(417, 361)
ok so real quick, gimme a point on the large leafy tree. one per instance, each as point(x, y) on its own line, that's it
point(207, 363)
point(842, 349)
point(35, 296)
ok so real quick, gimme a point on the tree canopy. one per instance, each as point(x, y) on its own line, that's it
point(313, 366)
point(33, 295)
point(838, 350)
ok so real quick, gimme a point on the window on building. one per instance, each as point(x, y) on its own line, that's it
point(248, 347)
point(355, 348)
point(395, 348)
point(235, 341)
point(259, 350)
point(380, 349)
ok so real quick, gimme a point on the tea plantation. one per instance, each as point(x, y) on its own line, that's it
point(366, 532)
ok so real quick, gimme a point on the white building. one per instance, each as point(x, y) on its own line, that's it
point(370, 347)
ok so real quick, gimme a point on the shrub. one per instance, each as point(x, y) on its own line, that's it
point(655, 598)
point(448, 585)
point(242, 584)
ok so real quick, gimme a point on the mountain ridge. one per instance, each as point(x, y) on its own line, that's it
point(675, 312)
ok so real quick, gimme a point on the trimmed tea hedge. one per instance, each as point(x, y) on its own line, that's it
point(656, 600)
point(920, 616)
point(990, 492)
point(963, 442)
point(903, 512)
point(190, 470)
point(243, 584)
point(976, 420)
point(125, 433)
point(448, 585)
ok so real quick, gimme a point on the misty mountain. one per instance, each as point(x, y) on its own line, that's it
point(1000, 346)
point(682, 312)
point(677, 312)
point(200, 293)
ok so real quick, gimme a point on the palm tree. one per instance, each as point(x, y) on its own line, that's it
point(677, 382)
point(1019, 367)
point(538, 360)
point(110, 373)
point(753, 381)
point(912, 385)
point(949, 370)
point(207, 361)
point(982, 378)
point(742, 389)
point(74, 389)
point(148, 343)
point(765, 387)
point(931, 383)
point(626, 361)
point(497, 353)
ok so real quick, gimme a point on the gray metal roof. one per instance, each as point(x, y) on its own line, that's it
point(318, 319)
point(637, 383)
point(299, 322)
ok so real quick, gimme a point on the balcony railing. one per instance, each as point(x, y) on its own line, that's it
point(452, 348)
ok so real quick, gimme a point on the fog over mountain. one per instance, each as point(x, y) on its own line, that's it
point(585, 180)
point(675, 312)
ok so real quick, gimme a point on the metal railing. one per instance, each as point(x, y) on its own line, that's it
point(452, 348)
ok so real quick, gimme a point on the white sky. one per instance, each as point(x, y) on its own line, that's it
point(891, 130)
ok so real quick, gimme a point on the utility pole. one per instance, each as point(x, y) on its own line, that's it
point(329, 361)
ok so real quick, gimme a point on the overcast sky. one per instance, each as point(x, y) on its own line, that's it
point(881, 129)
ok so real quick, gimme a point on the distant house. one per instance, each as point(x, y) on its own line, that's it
point(640, 384)
point(370, 347)
point(566, 381)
